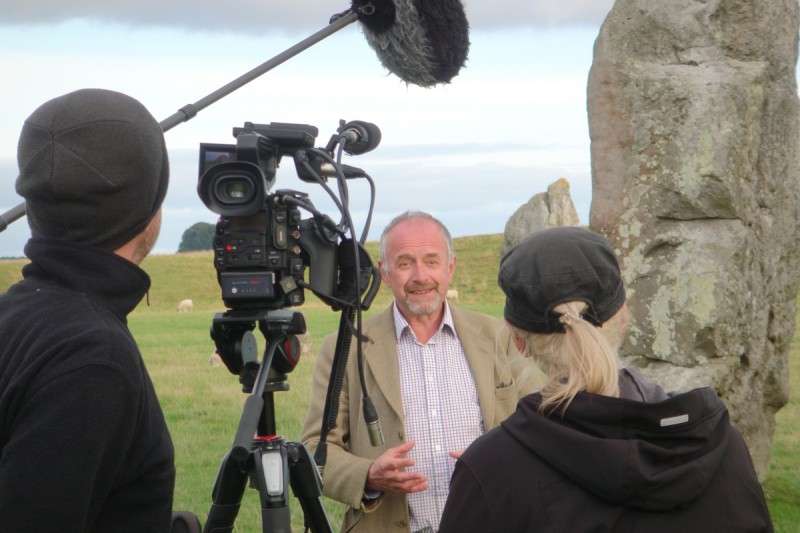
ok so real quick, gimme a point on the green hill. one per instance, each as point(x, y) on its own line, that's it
point(192, 275)
point(176, 277)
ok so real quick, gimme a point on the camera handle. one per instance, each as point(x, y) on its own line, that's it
point(271, 463)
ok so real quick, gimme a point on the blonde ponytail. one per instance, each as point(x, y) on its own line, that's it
point(583, 358)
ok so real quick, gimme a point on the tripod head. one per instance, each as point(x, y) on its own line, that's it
point(232, 332)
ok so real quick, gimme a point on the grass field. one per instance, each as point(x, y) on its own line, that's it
point(203, 403)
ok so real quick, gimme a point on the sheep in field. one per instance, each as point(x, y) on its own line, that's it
point(185, 306)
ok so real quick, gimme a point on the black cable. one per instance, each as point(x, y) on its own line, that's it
point(368, 222)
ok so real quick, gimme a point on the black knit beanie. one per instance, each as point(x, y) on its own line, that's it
point(558, 265)
point(93, 168)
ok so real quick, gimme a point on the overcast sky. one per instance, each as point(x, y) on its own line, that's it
point(470, 152)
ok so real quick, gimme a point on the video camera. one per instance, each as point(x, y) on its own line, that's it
point(262, 248)
point(261, 244)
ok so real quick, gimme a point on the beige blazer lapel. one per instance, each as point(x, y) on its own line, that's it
point(481, 353)
point(380, 356)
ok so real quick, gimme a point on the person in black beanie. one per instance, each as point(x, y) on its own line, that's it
point(84, 446)
point(599, 448)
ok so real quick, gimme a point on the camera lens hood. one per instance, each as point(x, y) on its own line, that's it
point(236, 188)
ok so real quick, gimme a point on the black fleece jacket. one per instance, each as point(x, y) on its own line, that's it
point(83, 441)
point(643, 462)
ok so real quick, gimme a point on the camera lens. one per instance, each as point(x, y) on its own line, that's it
point(234, 190)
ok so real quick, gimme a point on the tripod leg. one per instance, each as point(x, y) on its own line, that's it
point(307, 487)
point(227, 497)
point(272, 475)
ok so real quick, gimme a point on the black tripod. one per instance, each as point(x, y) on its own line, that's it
point(269, 462)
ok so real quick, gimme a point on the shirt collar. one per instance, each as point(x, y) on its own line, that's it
point(401, 324)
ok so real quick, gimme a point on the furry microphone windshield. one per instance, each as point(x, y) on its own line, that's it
point(424, 42)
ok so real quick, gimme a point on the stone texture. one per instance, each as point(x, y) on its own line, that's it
point(693, 115)
point(543, 210)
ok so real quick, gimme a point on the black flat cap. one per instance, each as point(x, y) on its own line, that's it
point(555, 266)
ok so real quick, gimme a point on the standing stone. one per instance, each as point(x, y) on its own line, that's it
point(693, 114)
point(544, 210)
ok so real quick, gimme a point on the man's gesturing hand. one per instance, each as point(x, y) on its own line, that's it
point(386, 472)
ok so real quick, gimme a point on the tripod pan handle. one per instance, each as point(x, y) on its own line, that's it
point(248, 424)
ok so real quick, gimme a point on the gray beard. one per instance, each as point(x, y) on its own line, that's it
point(429, 309)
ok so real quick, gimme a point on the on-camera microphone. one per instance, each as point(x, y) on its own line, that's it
point(315, 168)
point(359, 137)
point(327, 170)
point(424, 42)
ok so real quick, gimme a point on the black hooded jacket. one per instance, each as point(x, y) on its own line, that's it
point(83, 442)
point(643, 462)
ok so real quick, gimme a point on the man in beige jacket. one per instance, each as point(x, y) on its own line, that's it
point(438, 376)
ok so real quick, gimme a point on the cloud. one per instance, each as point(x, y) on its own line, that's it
point(492, 15)
point(289, 17)
point(471, 152)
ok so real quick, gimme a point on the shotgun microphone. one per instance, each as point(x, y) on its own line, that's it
point(423, 42)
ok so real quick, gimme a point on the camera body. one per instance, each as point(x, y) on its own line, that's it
point(258, 257)
point(262, 246)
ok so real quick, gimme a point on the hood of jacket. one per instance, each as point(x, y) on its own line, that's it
point(103, 276)
point(645, 450)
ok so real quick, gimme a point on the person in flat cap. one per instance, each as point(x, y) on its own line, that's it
point(599, 448)
point(84, 446)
